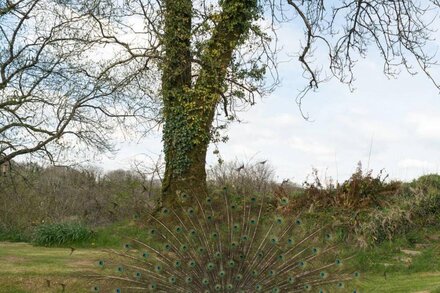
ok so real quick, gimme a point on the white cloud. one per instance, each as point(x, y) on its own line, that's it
point(310, 147)
point(414, 163)
point(370, 128)
point(426, 125)
point(283, 120)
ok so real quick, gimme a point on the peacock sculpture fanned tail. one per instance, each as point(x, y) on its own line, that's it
point(227, 243)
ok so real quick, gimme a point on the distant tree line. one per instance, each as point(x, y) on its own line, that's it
point(31, 194)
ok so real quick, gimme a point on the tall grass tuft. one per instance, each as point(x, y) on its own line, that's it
point(59, 234)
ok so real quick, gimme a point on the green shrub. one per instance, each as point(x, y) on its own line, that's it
point(61, 234)
point(383, 224)
point(427, 188)
point(13, 235)
point(431, 181)
point(415, 208)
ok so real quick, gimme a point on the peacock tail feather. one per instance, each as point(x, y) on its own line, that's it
point(228, 243)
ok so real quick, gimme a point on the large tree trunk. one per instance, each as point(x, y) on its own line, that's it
point(176, 85)
point(188, 182)
point(186, 139)
point(189, 108)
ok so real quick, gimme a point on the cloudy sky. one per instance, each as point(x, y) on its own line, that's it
point(391, 124)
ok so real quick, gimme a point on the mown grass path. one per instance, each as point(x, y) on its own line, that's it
point(25, 268)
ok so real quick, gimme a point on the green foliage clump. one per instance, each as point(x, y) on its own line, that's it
point(59, 234)
point(13, 235)
point(428, 188)
point(428, 182)
point(414, 207)
point(426, 185)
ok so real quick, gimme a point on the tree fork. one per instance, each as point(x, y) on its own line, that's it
point(189, 110)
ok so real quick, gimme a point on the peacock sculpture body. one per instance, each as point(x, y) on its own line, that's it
point(228, 243)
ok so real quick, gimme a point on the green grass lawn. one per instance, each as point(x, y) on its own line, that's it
point(402, 283)
point(25, 268)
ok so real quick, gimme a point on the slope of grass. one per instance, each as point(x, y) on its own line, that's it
point(402, 283)
point(399, 257)
point(115, 235)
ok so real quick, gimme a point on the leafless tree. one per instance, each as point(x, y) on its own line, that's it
point(149, 170)
point(58, 89)
point(242, 178)
point(402, 32)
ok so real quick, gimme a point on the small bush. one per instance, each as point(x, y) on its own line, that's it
point(61, 234)
point(431, 181)
point(361, 191)
point(417, 207)
point(13, 235)
point(383, 224)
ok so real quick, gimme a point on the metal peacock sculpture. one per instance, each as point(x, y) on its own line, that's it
point(227, 243)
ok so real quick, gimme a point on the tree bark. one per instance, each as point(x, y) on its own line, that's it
point(176, 82)
point(191, 182)
point(189, 109)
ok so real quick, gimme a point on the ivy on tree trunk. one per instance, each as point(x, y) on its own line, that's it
point(190, 103)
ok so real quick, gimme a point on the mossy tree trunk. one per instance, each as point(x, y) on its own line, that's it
point(190, 102)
